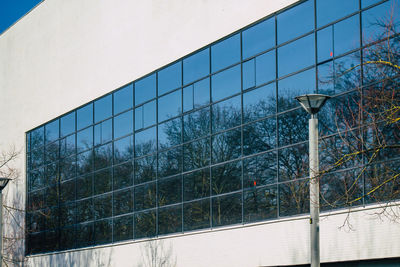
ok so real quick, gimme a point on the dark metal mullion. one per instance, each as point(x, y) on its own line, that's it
point(112, 165)
point(242, 120)
point(133, 162)
point(276, 118)
point(157, 156)
point(181, 145)
point(362, 97)
point(210, 146)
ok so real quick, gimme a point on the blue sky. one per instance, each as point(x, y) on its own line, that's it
point(12, 10)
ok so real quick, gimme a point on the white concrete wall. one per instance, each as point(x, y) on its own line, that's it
point(66, 53)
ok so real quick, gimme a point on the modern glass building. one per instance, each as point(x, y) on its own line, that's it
point(214, 141)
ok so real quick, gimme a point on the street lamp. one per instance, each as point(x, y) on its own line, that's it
point(3, 184)
point(312, 104)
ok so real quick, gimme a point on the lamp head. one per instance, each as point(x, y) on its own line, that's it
point(3, 182)
point(312, 103)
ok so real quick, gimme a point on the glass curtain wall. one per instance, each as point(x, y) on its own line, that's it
point(216, 138)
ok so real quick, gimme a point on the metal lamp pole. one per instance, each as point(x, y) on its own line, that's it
point(3, 184)
point(312, 104)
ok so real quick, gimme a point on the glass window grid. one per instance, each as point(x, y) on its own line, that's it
point(29, 136)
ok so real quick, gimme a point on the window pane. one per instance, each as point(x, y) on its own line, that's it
point(260, 204)
point(67, 238)
point(294, 198)
point(170, 78)
point(145, 196)
point(145, 142)
point(259, 136)
point(102, 206)
point(226, 178)
point(145, 169)
point(226, 114)
point(170, 162)
point(52, 131)
point(145, 224)
point(102, 181)
point(123, 228)
point(258, 38)
point(196, 154)
point(37, 158)
point(196, 124)
point(376, 19)
point(103, 132)
point(67, 191)
point(84, 116)
point(170, 133)
point(123, 149)
point(84, 235)
point(331, 10)
point(293, 163)
point(123, 202)
point(145, 89)
point(123, 99)
point(196, 95)
point(325, 44)
point(227, 209)
point(225, 53)
point(293, 127)
point(295, 21)
point(85, 139)
point(123, 124)
point(299, 84)
point(347, 35)
point(169, 105)
point(347, 72)
point(103, 232)
point(196, 66)
point(67, 146)
point(37, 179)
point(103, 108)
point(37, 138)
point(170, 220)
point(226, 83)
point(84, 210)
point(296, 55)
point(260, 170)
point(103, 156)
point(123, 175)
point(196, 215)
point(84, 162)
point(85, 186)
point(170, 191)
point(366, 3)
point(259, 103)
point(197, 184)
point(67, 124)
point(226, 146)
point(52, 152)
point(326, 76)
point(145, 115)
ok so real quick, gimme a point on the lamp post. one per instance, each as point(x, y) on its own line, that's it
point(312, 104)
point(3, 184)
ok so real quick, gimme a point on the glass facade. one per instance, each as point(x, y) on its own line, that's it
point(216, 138)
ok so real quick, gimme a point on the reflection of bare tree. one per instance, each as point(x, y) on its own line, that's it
point(156, 254)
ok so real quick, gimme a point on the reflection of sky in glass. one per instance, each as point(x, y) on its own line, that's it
point(295, 21)
point(145, 89)
point(52, 131)
point(374, 18)
point(296, 55)
point(170, 78)
point(325, 44)
point(84, 116)
point(299, 84)
point(331, 10)
point(169, 105)
point(196, 66)
point(146, 137)
point(85, 139)
point(124, 145)
point(225, 53)
point(145, 115)
point(196, 95)
point(258, 38)
point(67, 124)
point(325, 78)
point(123, 124)
point(103, 108)
point(226, 83)
point(103, 132)
point(169, 133)
point(123, 99)
point(347, 35)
